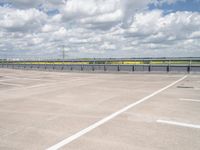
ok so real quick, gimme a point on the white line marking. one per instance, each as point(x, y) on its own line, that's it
point(106, 119)
point(41, 85)
point(12, 84)
point(190, 100)
point(4, 80)
point(179, 124)
point(38, 85)
point(22, 78)
point(50, 84)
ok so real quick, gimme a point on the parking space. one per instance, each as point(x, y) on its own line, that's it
point(41, 110)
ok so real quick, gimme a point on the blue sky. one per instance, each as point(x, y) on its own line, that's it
point(187, 5)
point(98, 28)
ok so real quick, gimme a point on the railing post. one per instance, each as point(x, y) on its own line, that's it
point(53, 65)
point(149, 68)
point(168, 68)
point(189, 67)
point(118, 68)
point(133, 68)
point(71, 68)
point(93, 67)
point(62, 68)
point(31, 66)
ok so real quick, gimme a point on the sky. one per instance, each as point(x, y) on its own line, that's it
point(99, 28)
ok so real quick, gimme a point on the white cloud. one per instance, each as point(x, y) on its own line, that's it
point(36, 40)
point(25, 3)
point(98, 28)
point(21, 20)
point(108, 46)
point(60, 33)
point(109, 17)
point(195, 34)
point(145, 23)
point(78, 9)
point(160, 2)
point(155, 24)
point(108, 12)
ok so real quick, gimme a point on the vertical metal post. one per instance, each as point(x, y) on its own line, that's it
point(133, 68)
point(53, 65)
point(71, 68)
point(63, 53)
point(189, 66)
point(94, 62)
point(6, 63)
point(168, 67)
point(149, 68)
point(93, 67)
point(45, 64)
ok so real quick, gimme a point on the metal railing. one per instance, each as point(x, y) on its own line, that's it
point(186, 68)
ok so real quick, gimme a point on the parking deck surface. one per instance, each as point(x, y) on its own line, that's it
point(83, 111)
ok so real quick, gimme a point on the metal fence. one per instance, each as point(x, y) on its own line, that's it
point(106, 68)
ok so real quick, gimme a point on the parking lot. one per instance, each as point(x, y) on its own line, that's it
point(102, 111)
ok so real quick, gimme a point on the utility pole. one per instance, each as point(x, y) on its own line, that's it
point(63, 53)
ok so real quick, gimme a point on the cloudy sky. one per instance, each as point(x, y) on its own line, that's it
point(99, 28)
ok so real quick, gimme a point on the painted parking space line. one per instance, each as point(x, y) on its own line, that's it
point(40, 85)
point(178, 124)
point(5, 80)
point(12, 84)
point(189, 100)
point(53, 83)
point(22, 78)
point(110, 117)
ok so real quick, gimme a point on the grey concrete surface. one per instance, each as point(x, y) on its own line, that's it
point(39, 109)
